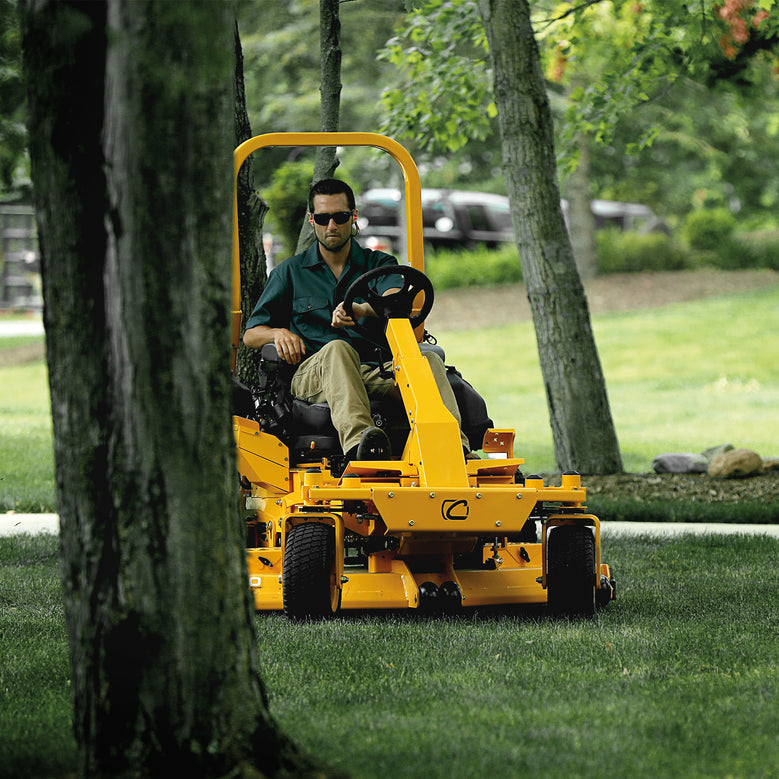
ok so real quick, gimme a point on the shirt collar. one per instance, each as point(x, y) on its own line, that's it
point(356, 257)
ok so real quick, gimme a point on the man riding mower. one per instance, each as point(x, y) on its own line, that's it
point(425, 527)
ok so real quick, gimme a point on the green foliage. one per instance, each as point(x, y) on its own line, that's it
point(613, 57)
point(13, 134)
point(480, 267)
point(608, 58)
point(713, 244)
point(757, 250)
point(737, 252)
point(706, 230)
point(444, 98)
point(629, 252)
point(706, 125)
point(282, 65)
point(287, 196)
point(713, 241)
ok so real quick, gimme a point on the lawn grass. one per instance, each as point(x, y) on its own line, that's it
point(680, 378)
point(678, 677)
point(35, 708)
point(26, 455)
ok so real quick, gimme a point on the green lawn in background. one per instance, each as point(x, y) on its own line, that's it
point(26, 456)
point(678, 677)
point(680, 378)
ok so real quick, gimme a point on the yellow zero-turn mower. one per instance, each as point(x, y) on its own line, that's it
point(427, 529)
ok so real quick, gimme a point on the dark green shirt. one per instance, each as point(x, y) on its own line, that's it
point(302, 293)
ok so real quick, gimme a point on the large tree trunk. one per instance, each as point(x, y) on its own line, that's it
point(583, 431)
point(131, 132)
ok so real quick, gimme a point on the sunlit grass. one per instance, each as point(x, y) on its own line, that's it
point(680, 378)
point(26, 457)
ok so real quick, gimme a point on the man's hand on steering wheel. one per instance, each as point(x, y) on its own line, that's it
point(396, 302)
point(359, 311)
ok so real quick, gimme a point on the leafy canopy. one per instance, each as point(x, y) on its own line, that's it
point(607, 57)
point(445, 95)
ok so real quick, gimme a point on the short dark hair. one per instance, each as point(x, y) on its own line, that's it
point(330, 187)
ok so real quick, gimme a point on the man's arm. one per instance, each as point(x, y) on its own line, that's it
point(360, 310)
point(290, 347)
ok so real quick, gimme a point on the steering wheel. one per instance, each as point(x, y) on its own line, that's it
point(396, 305)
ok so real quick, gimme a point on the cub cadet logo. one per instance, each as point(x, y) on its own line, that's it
point(454, 509)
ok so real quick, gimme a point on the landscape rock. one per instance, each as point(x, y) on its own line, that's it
point(736, 464)
point(771, 464)
point(684, 462)
point(715, 451)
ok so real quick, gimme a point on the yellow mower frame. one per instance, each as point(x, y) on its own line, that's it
point(428, 529)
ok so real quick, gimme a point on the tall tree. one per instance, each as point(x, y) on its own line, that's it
point(131, 131)
point(252, 209)
point(437, 68)
point(326, 162)
point(582, 427)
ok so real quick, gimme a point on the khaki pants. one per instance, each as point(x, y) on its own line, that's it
point(334, 375)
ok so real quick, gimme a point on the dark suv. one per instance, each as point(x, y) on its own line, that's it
point(450, 218)
point(454, 218)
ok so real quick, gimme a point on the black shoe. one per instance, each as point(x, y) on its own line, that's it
point(374, 445)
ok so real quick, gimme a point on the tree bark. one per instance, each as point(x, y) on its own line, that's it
point(582, 223)
point(130, 141)
point(251, 217)
point(582, 427)
point(326, 161)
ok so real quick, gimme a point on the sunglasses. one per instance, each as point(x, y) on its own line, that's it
point(339, 217)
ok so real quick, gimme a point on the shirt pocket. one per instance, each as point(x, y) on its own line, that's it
point(311, 315)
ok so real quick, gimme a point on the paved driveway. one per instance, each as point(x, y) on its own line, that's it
point(21, 327)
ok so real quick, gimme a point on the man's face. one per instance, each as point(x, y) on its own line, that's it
point(333, 236)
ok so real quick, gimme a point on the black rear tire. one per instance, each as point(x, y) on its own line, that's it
point(570, 576)
point(308, 584)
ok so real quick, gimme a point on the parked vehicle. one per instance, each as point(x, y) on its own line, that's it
point(461, 219)
point(450, 218)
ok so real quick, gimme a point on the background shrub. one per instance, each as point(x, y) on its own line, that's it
point(707, 230)
point(756, 250)
point(620, 252)
point(630, 252)
point(480, 267)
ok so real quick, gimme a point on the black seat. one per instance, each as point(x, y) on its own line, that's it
point(307, 428)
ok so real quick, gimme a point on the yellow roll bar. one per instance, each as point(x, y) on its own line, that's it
point(413, 190)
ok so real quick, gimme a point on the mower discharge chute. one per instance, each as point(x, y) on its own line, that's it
point(428, 529)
